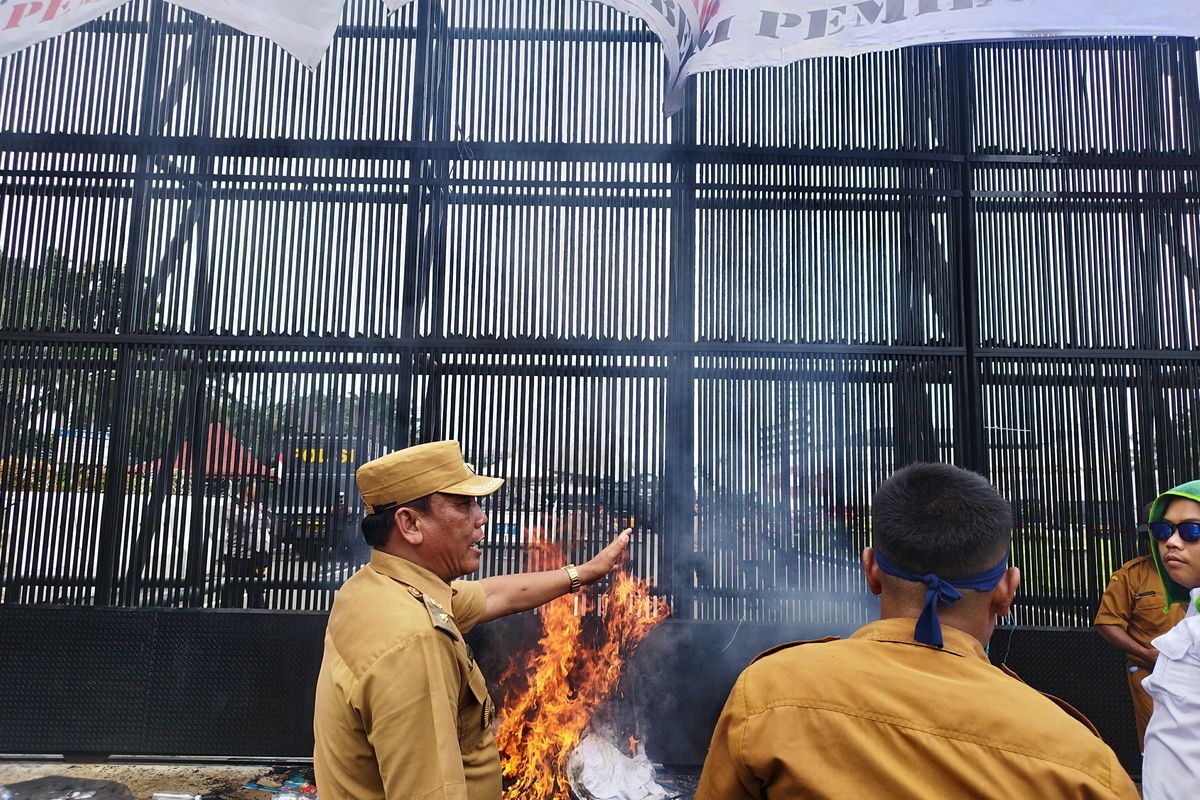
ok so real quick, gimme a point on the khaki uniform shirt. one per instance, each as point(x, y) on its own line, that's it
point(879, 715)
point(1134, 602)
point(402, 710)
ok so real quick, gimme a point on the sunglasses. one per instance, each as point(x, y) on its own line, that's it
point(1189, 531)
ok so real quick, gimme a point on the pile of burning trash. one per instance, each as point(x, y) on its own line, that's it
point(558, 735)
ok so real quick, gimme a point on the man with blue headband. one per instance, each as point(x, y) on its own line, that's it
point(1171, 761)
point(909, 705)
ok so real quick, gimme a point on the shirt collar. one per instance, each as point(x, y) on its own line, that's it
point(900, 631)
point(414, 575)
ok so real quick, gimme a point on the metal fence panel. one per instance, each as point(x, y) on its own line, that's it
point(474, 222)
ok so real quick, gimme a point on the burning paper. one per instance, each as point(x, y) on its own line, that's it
point(568, 679)
point(598, 770)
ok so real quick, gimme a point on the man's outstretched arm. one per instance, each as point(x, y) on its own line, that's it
point(511, 594)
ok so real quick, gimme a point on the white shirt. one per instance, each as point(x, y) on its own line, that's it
point(247, 529)
point(1171, 764)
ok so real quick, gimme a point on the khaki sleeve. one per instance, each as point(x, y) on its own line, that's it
point(408, 702)
point(468, 604)
point(725, 775)
point(1116, 604)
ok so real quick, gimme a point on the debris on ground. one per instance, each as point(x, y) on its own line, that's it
point(62, 787)
point(298, 784)
point(142, 781)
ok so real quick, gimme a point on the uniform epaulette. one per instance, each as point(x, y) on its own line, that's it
point(786, 645)
point(437, 615)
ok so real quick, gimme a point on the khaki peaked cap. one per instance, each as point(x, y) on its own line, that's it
point(414, 472)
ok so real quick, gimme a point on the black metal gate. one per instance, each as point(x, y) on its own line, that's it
point(474, 222)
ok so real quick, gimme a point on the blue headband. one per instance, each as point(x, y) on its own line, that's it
point(929, 627)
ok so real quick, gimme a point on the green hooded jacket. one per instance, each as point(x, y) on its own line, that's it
point(1174, 592)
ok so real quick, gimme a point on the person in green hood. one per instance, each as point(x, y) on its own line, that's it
point(1171, 763)
point(1130, 617)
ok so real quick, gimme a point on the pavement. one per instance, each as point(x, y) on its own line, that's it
point(57, 780)
point(130, 780)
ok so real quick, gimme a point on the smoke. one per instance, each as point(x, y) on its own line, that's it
point(682, 674)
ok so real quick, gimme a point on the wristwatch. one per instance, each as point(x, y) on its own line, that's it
point(573, 574)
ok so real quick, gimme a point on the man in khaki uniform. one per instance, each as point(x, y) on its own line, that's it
point(909, 706)
point(1131, 615)
point(402, 710)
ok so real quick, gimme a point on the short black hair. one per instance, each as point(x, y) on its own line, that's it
point(942, 519)
point(377, 527)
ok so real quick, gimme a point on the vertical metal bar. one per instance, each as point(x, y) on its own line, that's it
point(415, 258)
point(115, 483)
point(203, 450)
point(202, 193)
point(433, 266)
point(679, 429)
point(973, 437)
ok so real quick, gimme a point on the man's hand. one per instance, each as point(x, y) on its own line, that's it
point(1118, 638)
point(510, 594)
point(606, 560)
point(1148, 657)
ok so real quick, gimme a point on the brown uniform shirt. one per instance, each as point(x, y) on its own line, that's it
point(402, 711)
point(879, 715)
point(1134, 602)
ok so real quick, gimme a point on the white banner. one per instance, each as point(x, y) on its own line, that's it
point(741, 34)
point(304, 28)
point(29, 22)
point(697, 35)
point(676, 23)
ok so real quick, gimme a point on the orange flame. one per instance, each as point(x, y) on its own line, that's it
point(568, 679)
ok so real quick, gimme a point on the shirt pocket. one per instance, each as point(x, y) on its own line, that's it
point(1177, 671)
point(475, 716)
point(1148, 601)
